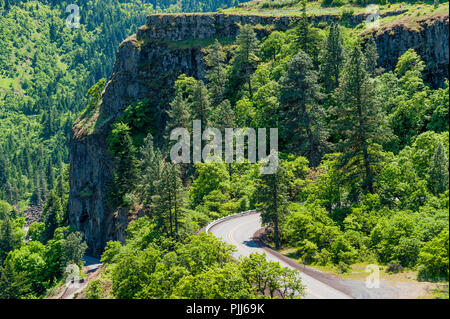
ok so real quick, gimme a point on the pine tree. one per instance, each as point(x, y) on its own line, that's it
point(358, 119)
point(307, 38)
point(7, 243)
point(126, 167)
point(150, 166)
point(371, 54)
point(332, 59)
point(161, 205)
point(179, 113)
point(177, 193)
point(245, 59)
point(50, 174)
point(216, 73)
point(168, 199)
point(438, 171)
point(51, 215)
point(13, 285)
point(201, 106)
point(303, 28)
point(272, 199)
point(223, 117)
point(302, 114)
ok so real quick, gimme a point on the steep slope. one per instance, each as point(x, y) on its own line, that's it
point(147, 65)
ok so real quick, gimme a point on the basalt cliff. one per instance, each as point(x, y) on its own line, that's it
point(147, 65)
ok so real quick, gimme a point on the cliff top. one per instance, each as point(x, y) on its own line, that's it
point(316, 8)
point(223, 24)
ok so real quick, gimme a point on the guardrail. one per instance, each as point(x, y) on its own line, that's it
point(218, 221)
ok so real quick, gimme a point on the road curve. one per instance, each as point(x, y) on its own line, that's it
point(239, 232)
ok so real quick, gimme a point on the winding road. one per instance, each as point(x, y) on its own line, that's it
point(239, 232)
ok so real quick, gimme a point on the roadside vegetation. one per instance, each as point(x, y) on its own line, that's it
point(363, 174)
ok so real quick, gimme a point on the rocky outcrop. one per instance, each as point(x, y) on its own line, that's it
point(32, 215)
point(140, 71)
point(179, 27)
point(147, 65)
point(428, 36)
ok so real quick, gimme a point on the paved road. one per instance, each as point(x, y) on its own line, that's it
point(239, 232)
point(91, 265)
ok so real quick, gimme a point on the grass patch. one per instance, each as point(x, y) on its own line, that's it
point(5, 83)
point(198, 43)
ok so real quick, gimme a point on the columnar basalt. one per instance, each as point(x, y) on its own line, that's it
point(147, 65)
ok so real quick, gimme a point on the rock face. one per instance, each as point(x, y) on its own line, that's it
point(179, 27)
point(429, 37)
point(140, 71)
point(147, 65)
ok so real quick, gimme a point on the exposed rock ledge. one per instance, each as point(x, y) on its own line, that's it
point(146, 67)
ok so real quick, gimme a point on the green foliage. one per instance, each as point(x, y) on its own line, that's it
point(245, 59)
point(46, 69)
point(112, 249)
point(270, 276)
point(200, 266)
point(272, 198)
point(94, 289)
point(303, 131)
point(359, 123)
point(438, 171)
point(332, 58)
point(211, 176)
point(34, 267)
point(126, 165)
point(433, 258)
point(410, 61)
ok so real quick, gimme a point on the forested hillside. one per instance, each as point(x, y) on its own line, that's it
point(363, 173)
point(45, 72)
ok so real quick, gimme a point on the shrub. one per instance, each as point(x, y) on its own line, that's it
point(94, 290)
point(407, 251)
point(433, 259)
point(343, 267)
point(112, 249)
point(394, 267)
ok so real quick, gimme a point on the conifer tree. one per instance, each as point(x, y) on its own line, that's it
point(6, 238)
point(307, 38)
point(201, 106)
point(223, 117)
point(51, 215)
point(50, 174)
point(302, 114)
point(358, 119)
point(371, 55)
point(332, 59)
point(216, 73)
point(303, 28)
point(177, 193)
point(245, 59)
point(272, 199)
point(126, 165)
point(12, 284)
point(179, 113)
point(150, 166)
point(438, 171)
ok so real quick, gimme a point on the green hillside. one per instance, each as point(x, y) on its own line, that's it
point(363, 160)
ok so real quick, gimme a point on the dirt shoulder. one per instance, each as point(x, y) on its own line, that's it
point(356, 288)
